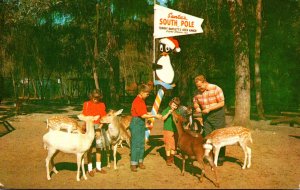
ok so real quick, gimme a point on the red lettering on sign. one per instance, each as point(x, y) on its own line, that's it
point(169, 22)
point(170, 15)
point(187, 23)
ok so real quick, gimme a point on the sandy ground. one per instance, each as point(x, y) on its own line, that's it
point(275, 161)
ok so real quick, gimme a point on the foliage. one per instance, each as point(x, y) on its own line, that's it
point(53, 39)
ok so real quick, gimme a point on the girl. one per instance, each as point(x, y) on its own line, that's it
point(170, 131)
point(94, 107)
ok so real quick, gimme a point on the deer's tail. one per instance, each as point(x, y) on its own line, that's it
point(207, 146)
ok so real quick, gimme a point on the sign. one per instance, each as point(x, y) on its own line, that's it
point(168, 22)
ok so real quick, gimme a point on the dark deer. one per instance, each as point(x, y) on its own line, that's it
point(192, 147)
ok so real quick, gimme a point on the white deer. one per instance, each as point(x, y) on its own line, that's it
point(64, 123)
point(75, 143)
point(229, 136)
point(117, 131)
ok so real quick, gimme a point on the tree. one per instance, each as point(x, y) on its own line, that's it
point(96, 51)
point(241, 60)
point(259, 101)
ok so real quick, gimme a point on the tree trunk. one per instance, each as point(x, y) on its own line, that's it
point(2, 87)
point(14, 86)
point(96, 53)
point(259, 102)
point(41, 85)
point(114, 68)
point(241, 59)
point(34, 89)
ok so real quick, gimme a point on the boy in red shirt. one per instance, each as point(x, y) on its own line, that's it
point(95, 107)
point(137, 127)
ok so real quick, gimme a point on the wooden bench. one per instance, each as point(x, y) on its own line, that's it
point(287, 117)
point(5, 128)
point(290, 113)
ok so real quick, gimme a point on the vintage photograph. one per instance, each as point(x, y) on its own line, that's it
point(149, 94)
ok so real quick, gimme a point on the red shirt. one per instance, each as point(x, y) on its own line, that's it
point(138, 107)
point(91, 108)
point(211, 96)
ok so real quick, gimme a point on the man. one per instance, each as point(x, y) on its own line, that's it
point(209, 101)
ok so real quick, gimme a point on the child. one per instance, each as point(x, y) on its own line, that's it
point(95, 107)
point(170, 131)
point(137, 128)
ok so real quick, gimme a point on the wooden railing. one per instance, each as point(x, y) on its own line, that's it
point(287, 117)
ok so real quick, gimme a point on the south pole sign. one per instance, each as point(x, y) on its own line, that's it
point(169, 22)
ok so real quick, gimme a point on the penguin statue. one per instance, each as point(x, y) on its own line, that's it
point(163, 67)
point(165, 74)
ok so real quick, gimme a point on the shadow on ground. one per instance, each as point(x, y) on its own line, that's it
point(8, 109)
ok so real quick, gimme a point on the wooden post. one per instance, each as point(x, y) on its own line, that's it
point(153, 47)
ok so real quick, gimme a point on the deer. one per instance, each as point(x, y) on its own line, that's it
point(193, 123)
point(230, 136)
point(192, 147)
point(117, 131)
point(64, 123)
point(74, 143)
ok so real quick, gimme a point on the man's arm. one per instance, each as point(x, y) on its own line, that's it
point(196, 105)
point(214, 107)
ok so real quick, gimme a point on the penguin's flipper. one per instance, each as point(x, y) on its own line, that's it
point(156, 66)
point(165, 85)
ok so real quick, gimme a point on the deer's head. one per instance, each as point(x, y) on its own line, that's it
point(108, 118)
point(178, 119)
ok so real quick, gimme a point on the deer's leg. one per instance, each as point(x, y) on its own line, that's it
point(128, 142)
point(249, 156)
point(244, 147)
point(108, 153)
point(210, 160)
point(199, 158)
point(216, 176)
point(213, 168)
point(69, 129)
point(216, 154)
point(115, 156)
point(120, 143)
point(82, 167)
point(51, 152)
point(183, 164)
point(79, 157)
point(52, 163)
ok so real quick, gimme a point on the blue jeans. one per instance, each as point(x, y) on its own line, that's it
point(137, 129)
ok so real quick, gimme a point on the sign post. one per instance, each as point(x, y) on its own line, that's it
point(168, 23)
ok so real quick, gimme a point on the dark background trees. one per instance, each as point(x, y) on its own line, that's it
point(47, 49)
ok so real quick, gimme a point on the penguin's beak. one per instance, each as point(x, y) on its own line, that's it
point(164, 54)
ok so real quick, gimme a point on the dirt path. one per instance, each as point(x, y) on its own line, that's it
point(275, 161)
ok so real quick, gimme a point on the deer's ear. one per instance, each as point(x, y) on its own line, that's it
point(96, 117)
point(80, 116)
point(119, 112)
